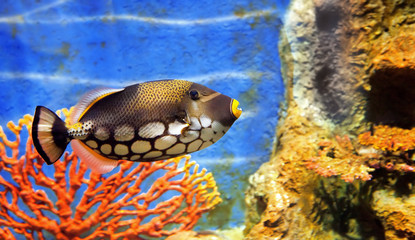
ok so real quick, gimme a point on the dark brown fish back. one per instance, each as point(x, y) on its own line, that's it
point(138, 104)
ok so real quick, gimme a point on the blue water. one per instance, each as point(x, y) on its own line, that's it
point(51, 52)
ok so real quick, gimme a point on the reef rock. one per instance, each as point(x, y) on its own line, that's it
point(347, 65)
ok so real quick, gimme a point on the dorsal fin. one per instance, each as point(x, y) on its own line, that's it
point(89, 99)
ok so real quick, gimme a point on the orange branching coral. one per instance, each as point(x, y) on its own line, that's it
point(72, 203)
point(340, 158)
point(388, 138)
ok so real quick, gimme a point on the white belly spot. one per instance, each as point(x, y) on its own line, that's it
point(92, 143)
point(106, 149)
point(194, 146)
point(121, 149)
point(189, 136)
point(153, 154)
point(218, 127)
point(135, 157)
point(176, 149)
point(165, 142)
point(140, 146)
point(219, 130)
point(206, 144)
point(206, 134)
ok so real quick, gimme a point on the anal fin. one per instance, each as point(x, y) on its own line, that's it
point(93, 160)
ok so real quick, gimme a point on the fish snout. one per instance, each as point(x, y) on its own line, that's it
point(236, 110)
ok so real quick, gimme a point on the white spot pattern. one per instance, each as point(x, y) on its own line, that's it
point(121, 149)
point(176, 127)
point(106, 149)
point(153, 154)
point(205, 145)
point(194, 146)
point(219, 130)
point(165, 142)
point(195, 124)
point(102, 134)
point(151, 130)
point(189, 136)
point(140, 146)
point(205, 121)
point(206, 134)
point(176, 149)
point(124, 133)
point(218, 127)
point(200, 134)
point(92, 143)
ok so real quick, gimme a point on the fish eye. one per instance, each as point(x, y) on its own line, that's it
point(194, 94)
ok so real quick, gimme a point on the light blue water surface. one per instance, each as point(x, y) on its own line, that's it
point(51, 52)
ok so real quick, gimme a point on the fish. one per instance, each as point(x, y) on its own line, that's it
point(144, 122)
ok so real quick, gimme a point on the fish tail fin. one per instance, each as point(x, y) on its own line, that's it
point(49, 134)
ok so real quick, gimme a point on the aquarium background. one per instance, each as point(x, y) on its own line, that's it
point(52, 52)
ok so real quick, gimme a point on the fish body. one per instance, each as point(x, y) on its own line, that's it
point(143, 122)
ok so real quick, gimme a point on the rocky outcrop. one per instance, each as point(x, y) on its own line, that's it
point(347, 65)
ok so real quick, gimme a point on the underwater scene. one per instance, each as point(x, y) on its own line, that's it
point(219, 120)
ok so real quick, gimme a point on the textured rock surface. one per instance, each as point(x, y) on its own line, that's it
point(346, 65)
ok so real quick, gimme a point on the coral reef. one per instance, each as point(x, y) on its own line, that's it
point(390, 139)
point(384, 147)
point(340, 158)
point(347, 66)
point(72, 204)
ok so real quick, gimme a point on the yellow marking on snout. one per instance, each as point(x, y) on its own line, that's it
point(235, 110)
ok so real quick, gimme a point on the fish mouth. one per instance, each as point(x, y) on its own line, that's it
point(236, 111)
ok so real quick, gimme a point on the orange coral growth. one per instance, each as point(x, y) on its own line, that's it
point(340, 158)
point(386, 147)
point(72, 204)
point(388, 138)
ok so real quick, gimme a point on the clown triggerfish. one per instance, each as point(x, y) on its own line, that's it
point(142, 122)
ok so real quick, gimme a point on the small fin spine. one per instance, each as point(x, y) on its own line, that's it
point(49, 134)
